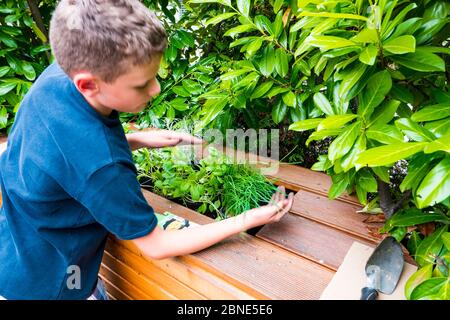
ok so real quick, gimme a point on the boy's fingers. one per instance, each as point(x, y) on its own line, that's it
point(287, 205)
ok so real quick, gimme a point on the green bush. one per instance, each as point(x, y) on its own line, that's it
point(24, 53)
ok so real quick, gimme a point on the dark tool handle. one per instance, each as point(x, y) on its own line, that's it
point(368, 294)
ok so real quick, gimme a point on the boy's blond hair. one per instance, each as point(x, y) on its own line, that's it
point(105, 37)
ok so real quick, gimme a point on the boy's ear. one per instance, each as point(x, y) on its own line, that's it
point(86, 83)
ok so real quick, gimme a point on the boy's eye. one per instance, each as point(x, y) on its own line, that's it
point(143, 87)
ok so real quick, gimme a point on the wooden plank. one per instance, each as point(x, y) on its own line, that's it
point(337, 214)
point(245, 261)
point(147, 271)
point(116, 278)
point(112, 290)
point(310, 239)
point(146, 285)
point(198, 279)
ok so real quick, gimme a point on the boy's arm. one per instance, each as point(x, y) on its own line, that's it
point(161, 244)
point(159, 139)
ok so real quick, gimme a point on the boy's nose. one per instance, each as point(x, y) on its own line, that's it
point(155, 89)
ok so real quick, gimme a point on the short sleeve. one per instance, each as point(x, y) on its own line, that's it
point(113, 196)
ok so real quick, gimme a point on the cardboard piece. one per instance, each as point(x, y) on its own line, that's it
point(350, 278)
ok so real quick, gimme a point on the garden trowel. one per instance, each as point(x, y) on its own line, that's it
point(383, 269)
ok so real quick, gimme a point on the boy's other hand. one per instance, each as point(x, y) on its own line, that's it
point(272, 212)
point(160, 139)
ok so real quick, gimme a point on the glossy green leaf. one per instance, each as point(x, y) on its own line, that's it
point(366, 36)
point(428, 29)
point(289, 99)
point(344, 142)
point(323, 164)
point(389, 27)
point(385, 134)
point(335, 121)
point(430, 289)
point(279, 112)
point(281, 65)
point(243, 6)
point(407, 27)
point(382, 173)
point(305, 125)
point(418, 167)
point(221, 17)
point(384, 114)
point(376, 90)
point(386, 155)
point(267, 63)
point(254, 46)
point(435, 187)
point(332, 15)
point(402, 93)
point(261, 90)
point(192, 87)
point(340, 184)
point(367, 181)
point(6, 87)
point(412, 217)
point(277, 5)
point(434, 112)
point(417, 278)
point(263, 23)
point(323, 26)
point(420, 61)
point(369, 55)
point(441, 144)
point(322, 134)
point(400, 45)
point(414, 131)
point(3, 117)
point(234, 74)
point(250, 79)
point(179, 90)
point(413, 242)
point(276, 91)
point(438, 128)
point(239, 29)
point(446, 240)
point(350, 78)
point(322, 103)
point(278, 25)
point(430, 247)
point(4, 70)
point(329, 42)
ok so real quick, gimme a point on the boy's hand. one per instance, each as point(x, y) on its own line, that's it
point(160, 139)
point(272, 212)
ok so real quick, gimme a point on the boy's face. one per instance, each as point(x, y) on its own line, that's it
point(131, 91)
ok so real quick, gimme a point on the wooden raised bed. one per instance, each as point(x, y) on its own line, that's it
point(292, 259)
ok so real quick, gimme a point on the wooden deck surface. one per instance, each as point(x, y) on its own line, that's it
point(292, 259)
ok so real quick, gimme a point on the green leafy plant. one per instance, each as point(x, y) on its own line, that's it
point(24, 52)
point(213, 184)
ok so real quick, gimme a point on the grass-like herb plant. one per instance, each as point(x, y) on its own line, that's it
point(213, 185)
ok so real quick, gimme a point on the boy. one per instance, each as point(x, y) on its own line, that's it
point(67, 176)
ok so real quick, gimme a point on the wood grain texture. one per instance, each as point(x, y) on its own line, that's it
point(337, 214)
point(310, 239)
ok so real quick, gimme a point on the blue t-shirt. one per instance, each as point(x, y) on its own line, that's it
point(67, 179)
